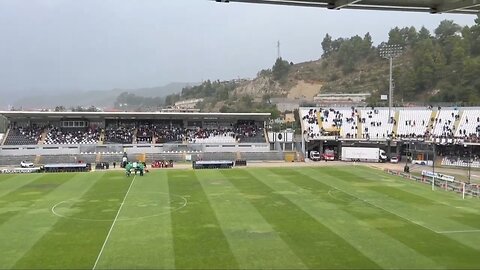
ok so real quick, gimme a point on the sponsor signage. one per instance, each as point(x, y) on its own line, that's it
point(19, 170)
point(438, 176)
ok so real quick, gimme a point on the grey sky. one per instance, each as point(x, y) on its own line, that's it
point(103, 44)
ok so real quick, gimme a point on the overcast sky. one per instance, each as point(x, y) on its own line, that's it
point(67, 45)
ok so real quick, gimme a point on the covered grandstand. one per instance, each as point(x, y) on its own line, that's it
point(49, 137)
point(410, 129)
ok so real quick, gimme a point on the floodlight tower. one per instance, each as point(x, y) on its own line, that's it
point(390, 51)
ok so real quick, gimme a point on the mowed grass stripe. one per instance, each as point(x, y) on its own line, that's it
point(313, 242)
point(466, 211)
point(76, 240)
point(19, 234)
point(142, 236)
point(254, 242)
point(198, 240)
point(462, 214)
point(11, 182)
point(320, 202)
point(4, 177)
point(445, 251)
point(420, 208)
point(374, 175)
point(21, 198)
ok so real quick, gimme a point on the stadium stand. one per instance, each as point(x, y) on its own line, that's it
point(249, 132)
point(344, 120)
point(72, 136)
point(375, 123)
point(145, 133)
point(311, 128)
point(168, 134)
point(120, 134)
point(203, 135)
point(413, 123)
point(444, 123)
point(469, 125)
point(23, 135)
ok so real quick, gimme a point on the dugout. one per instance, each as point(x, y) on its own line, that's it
point(213, 164)
point(67, 167)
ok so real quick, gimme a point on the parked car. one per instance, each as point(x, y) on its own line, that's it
point(25, 164)
point(394, 159)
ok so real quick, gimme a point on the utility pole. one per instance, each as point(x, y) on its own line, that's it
point(278, 50)
point(390, 51)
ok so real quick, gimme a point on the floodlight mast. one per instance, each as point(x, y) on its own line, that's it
point(390, 51)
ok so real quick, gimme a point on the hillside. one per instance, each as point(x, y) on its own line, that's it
point(97, 98)
point(443, 66)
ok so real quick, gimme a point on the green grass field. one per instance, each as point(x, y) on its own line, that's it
point(349, 217)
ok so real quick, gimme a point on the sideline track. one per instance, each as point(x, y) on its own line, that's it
point(113, 224)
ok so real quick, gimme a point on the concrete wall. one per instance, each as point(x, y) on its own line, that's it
point(21, 150)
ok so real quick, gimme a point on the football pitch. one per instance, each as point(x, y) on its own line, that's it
point(339, 217)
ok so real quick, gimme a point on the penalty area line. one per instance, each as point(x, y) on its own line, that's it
point(113, 224)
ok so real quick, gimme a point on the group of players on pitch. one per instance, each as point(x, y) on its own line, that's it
point(135, 167)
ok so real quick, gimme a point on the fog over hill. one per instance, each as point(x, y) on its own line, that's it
point(98, 98)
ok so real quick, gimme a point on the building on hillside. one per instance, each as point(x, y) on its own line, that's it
point(188, 104)
point(337, 99)
point(285, 104)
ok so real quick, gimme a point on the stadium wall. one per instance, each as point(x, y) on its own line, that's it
point(22, 150)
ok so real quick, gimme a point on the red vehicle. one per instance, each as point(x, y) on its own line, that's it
point(328, 154)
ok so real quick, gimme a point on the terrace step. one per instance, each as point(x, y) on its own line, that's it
point(319, 120)
point(135, 136)
point(5, 137)
point(434, 115)
point(456, 124)
point(359, 125)
point(101, 138)
point(396, 117)
point(43, 137)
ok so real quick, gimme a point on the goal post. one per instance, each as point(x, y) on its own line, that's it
point(448, 183)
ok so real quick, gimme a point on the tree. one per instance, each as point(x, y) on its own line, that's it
point(296, 115)
point(396, 37)
point(280, 69)
point(367, 45)
point(424, 34)
point(327, 45)
point(428, 62)
point(447, 28)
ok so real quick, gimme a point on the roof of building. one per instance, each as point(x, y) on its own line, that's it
point(133, 115)
point(431, 6)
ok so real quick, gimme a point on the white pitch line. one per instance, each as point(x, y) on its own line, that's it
point(113, 224)
point(460, 231)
